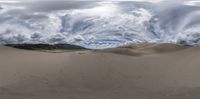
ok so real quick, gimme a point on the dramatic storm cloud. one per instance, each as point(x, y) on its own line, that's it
point(100, 24)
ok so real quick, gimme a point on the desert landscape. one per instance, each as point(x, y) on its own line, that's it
point(99, 49)
point(144, 71)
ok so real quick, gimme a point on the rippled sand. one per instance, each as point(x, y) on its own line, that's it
point(145, 71)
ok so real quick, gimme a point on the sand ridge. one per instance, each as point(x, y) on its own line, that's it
point(146, 48)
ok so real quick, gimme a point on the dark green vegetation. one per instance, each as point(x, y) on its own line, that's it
point(46, 46)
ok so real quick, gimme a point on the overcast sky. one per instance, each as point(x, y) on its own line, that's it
point(14, 1)
point(50, 5)
point(152, 1)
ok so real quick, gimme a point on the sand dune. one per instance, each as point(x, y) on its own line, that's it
point(145, 49)
point(145, 71)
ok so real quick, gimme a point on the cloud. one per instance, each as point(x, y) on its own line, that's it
point(97, 25)
point(17, 1)
point(55, 5)
point(52, 5)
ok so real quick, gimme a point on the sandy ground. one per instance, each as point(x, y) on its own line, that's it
point(134, 72)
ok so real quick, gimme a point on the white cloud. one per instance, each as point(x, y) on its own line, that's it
point(192, 3)
point(16, 1)
point(9, 1)
point(153, 1)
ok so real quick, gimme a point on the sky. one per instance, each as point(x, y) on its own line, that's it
point(28, 20)
point(15, 1)
point(188, 2)
point(52, 5)
point(48, 5)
